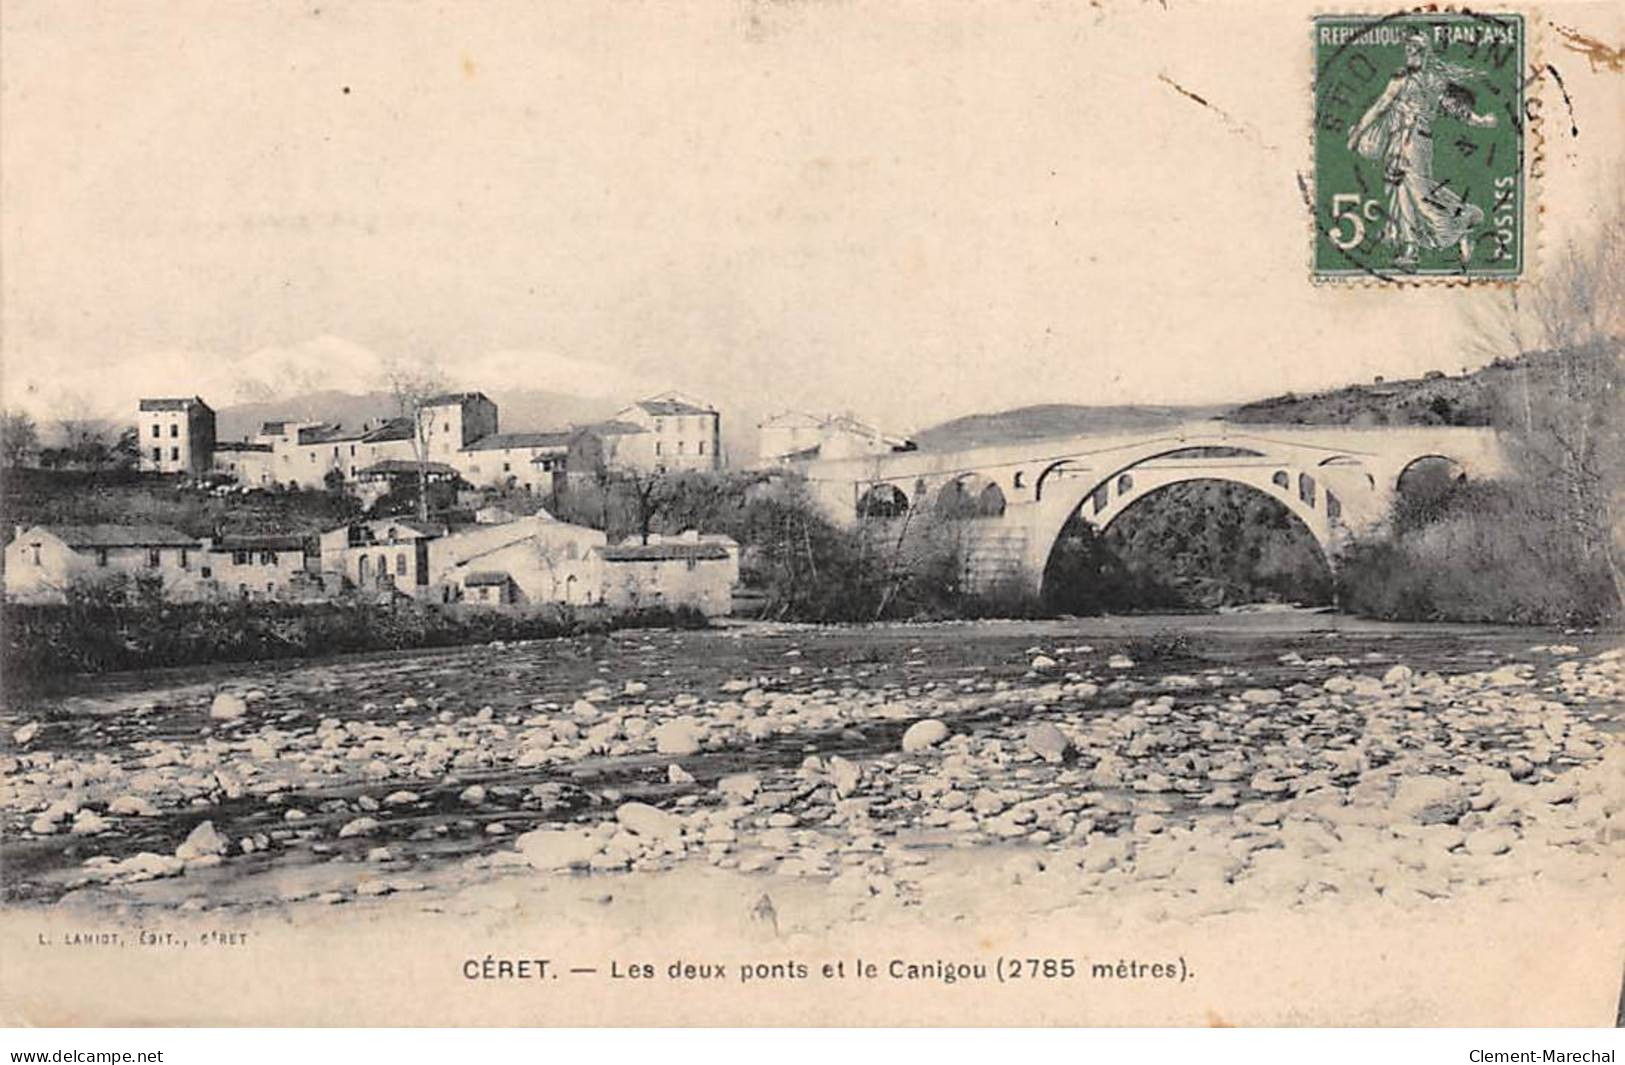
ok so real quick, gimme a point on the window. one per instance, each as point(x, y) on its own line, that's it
point(34, 548)
point(186, 559)
point(241, 558)
point(682, 446)
point(267, 558)
point(207, 571)
point(154, 556)
point(400, 564)
point(174, 430)
point(101, 556)
point(175, 453)
point(506, 468)
point(352, 451)
point(702, 447)
point(155, 430)
point(660, 425)
point(157, 452)
point(313, 456)
point(692, 564)
point(657, 447)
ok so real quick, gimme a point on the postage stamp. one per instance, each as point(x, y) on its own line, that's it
point(1419, 154)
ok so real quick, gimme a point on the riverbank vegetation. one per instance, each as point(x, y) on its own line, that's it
point(1544, 545)
point(114, 626)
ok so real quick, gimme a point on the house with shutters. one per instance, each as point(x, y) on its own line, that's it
point(43, 562)
point(176, 435)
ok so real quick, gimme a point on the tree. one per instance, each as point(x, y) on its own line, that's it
point(127, 451)
point(646, 494)
point(19, 438)
point(1565, 423)
point(413, 386)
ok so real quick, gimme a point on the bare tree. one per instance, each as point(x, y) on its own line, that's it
point(648, 493)
point(19, 437)
point(412, 386)
point(1565, 337)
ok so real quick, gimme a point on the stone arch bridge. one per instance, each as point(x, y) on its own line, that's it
point(1014, 498)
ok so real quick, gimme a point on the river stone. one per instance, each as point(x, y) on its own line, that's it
point(26, 733)
point(845, 775)
point(1048, 742)
point(1042, 663)
point(1430, 800)
point(641, 819)
point(203, 842)
point(132, 806)
point(473, 795)
point(1491, 841)
point(227, 706)
point(741, 787)
point(924, 734)
point(361, 826)
point(678, 737)
point(676, 774)
point(547, 849)
point(88, 823)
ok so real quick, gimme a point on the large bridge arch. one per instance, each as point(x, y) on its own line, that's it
point(1102, 499)
point(1316, 586)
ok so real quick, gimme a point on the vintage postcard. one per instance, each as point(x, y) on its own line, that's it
point(812, 512)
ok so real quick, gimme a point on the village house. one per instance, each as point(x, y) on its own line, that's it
point(683, 571)
point(530, 560)
point(522, 461)
point(245, 462)
point(43, 562)
point(383, 554)
point(176, 435)
point(452, 421)
point(796, 436)
point(258, 567)
point(381, 478)
point(686, 434)
point(305, 454)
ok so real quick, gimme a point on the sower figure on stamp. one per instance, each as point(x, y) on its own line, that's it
point(1397, 131)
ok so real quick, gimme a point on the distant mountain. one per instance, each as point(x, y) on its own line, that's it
point(1053, 419)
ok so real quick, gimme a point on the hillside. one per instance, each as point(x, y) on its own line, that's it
point(1053, 419)
point(1436, 399)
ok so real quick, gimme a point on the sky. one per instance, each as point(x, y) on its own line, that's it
point(908, 210)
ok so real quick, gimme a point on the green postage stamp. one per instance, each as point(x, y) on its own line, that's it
point(1419, 147)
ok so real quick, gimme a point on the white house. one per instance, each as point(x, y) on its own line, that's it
point(795, 436)
point(683, 571)
point(686, 433)
point(41, 563)
point(386, 553)
point(535, 559)
point(257, 567)
point(176, 435)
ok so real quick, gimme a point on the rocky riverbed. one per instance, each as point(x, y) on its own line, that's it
point(1229, 768)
